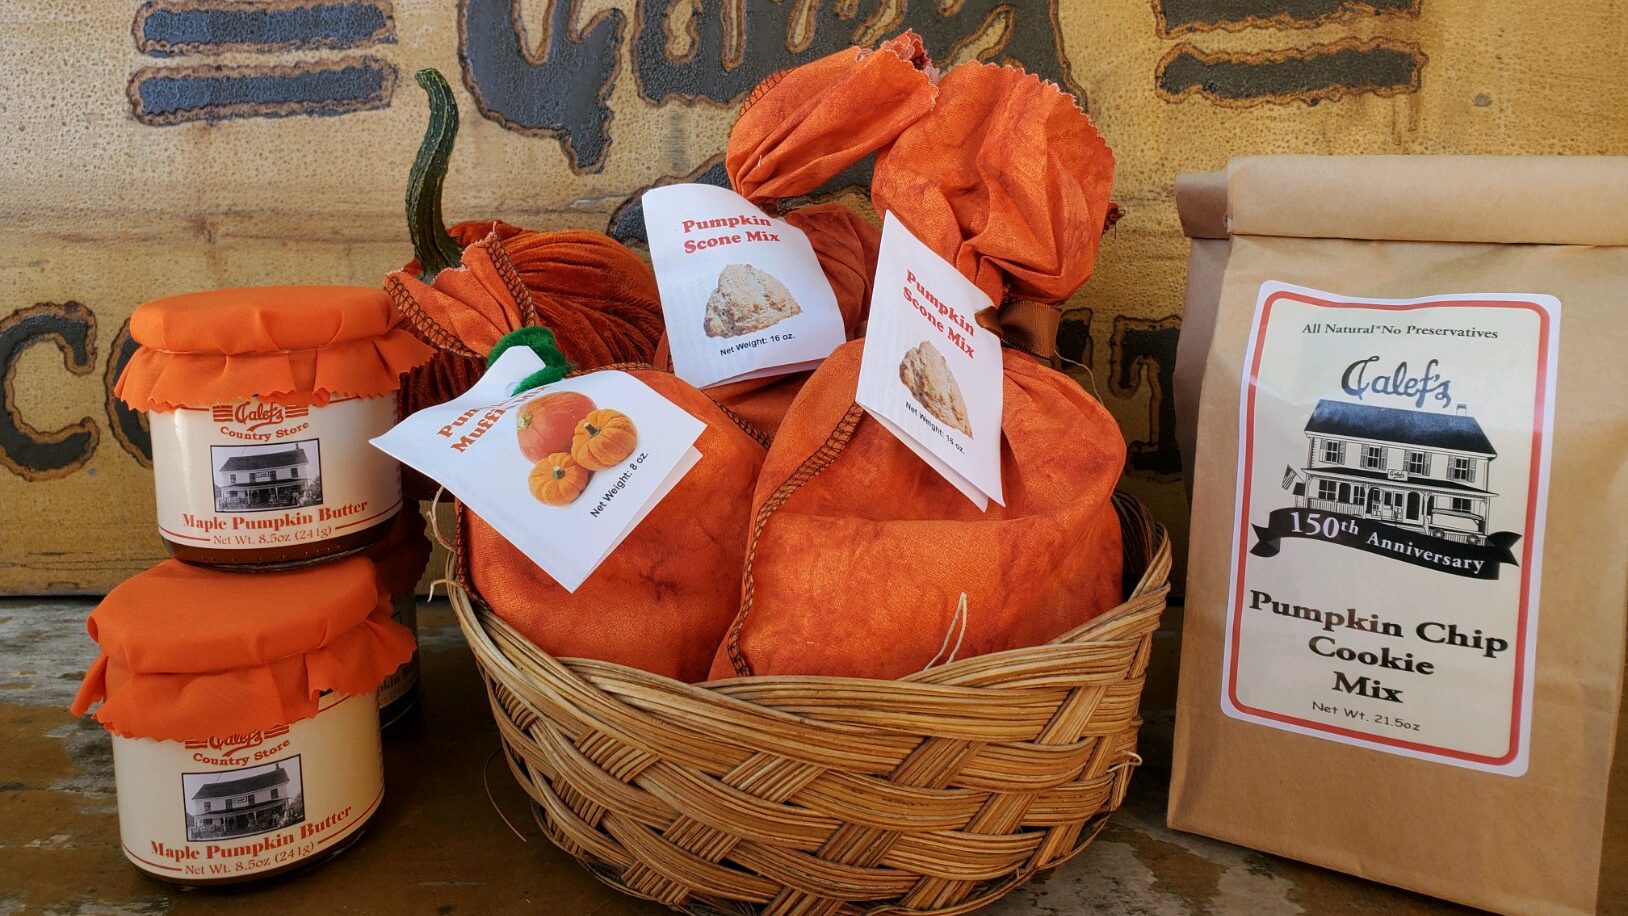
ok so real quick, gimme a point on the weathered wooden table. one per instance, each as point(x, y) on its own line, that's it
point(441, 844)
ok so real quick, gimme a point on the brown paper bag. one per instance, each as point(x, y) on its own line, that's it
point(1403, 643)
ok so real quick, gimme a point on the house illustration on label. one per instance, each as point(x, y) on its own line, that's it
point(283, 476)
point(1410, 468)
point(261, 799)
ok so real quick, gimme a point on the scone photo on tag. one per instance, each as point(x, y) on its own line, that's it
point(743, 293)
point(929, 372)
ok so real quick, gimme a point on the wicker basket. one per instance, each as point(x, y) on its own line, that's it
point(818, 795)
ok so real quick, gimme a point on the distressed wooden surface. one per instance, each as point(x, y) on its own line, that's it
point(123, 179)
point(441, 846)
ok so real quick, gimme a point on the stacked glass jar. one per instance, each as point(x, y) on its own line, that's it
point(242, 678)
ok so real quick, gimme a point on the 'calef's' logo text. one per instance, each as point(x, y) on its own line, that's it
point(1398, 383)
point(252, 415)
point(236, 743)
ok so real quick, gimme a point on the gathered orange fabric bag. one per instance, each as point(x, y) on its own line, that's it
point(188, 651)
point(663, 599)
point(796, 131)
point(860, 552)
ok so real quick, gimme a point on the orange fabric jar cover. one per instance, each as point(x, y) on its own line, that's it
point(401, 557)
point(662, 600)
point(190, 652)
point(796, 131)
point(860, 551)
point(297, 345)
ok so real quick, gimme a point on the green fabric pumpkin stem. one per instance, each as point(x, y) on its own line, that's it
point(434, 247)
point(539, 340)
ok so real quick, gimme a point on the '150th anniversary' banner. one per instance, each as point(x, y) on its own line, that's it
point(1478, 561)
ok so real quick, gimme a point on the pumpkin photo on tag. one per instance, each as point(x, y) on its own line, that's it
point(564, 471)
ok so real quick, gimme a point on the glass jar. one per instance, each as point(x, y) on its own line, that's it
point(244, 714)
point(261, 402)
point(399, 562)
point(258, 483)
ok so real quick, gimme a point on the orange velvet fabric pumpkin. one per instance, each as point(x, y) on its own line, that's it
point(597, 297)
point(860, 552)
point(612, 317)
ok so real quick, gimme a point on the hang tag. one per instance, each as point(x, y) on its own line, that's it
point(507, 456)
point(929, 372)
point(742, 292)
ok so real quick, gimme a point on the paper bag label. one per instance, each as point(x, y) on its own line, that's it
point(742, 292)
point(520, 461)
point(929, 372)
point(1392, 480)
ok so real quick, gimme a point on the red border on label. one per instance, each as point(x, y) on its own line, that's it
point(1539, 414)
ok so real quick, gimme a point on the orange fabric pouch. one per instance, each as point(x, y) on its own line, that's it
point(860, 552)
point(662, 600)
point(665, 595)
point(188, 651)
point(796, 131)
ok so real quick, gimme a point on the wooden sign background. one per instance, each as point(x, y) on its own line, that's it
point(165, 146)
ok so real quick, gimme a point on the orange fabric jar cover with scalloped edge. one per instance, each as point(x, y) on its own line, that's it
point(295, 345)
point(188, 651)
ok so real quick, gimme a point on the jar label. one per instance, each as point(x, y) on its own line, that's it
point(229, 807)
point(258, 475)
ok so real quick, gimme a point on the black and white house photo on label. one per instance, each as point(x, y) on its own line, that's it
point(255, 478)
point(1422, 471)
point(245, 801)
